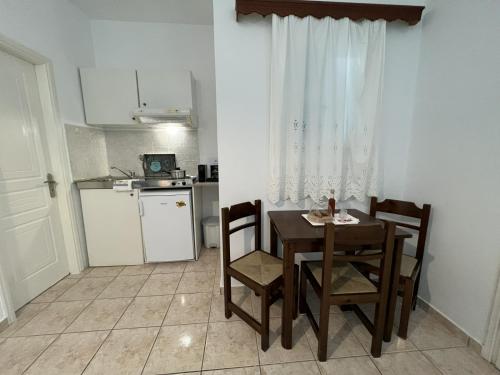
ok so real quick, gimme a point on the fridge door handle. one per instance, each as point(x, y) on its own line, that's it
point(141, 208)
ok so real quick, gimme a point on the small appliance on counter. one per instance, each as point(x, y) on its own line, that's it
point(202, 172)
point(214, 173)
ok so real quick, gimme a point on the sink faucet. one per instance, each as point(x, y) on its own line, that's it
point(130, 174)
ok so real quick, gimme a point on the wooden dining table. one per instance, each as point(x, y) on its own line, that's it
point(298, 236)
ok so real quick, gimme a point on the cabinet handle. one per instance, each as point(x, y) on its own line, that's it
point(141, 208)
point(144, 104)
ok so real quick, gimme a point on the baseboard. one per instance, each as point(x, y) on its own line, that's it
point(471, 342)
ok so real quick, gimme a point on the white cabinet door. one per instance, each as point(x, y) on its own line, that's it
point(109, 95)
point(167, 225)
point(112, 227)
point(164, 89)
point(32, 250)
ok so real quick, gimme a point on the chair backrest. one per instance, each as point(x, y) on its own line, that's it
point(236, 212)
point(408, 209)
point(358, 238)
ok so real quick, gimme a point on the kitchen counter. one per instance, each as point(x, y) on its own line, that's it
point(104, 182)
point(207, 183)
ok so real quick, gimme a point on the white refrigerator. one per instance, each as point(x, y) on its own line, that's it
point(167, 225)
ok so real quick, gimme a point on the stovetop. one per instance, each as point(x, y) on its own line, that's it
point(163, 183)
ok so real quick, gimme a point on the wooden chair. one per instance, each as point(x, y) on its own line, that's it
point(337, 282)
point(258, 270)
point(409, 278)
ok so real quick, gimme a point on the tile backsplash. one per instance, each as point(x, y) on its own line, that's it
point(87, 152)
point(122, 149)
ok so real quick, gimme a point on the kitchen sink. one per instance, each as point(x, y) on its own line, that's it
point(103, 182)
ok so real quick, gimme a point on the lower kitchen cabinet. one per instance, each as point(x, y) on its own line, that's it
point(112, 227)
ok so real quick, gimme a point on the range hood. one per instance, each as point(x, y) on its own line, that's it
point(178, 116)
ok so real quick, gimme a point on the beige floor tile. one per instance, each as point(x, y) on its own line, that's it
point(124, 286)
point(125, 351)
point(240, 297)
point(51, 294)
point(69, 354)
point(348, 366)
point(274, 312)
point(19, 352)
point(160, 284)
point(460, 361)
point(189, 308)
point(408, 363)
point(297, 368)
point(341, 339)
point(301, 351)
point(397, 344)
point(24, 315)
point(254, 370)
point(53, 319)
point(177, 349)
point(172, 267)
point(100, 315)
point(231, 344)
point(141, 269)
point(208, 262)
point(85, 289)
point(104, 271)
point(217, 283)
point(145, 312)
point(427, 331)
point(196, 282)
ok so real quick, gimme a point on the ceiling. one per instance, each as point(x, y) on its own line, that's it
point(195, 12)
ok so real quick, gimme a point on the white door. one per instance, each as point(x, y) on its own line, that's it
point(31, 242)
point(167, 225)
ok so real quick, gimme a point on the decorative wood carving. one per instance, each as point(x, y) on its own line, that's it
point(319, 9)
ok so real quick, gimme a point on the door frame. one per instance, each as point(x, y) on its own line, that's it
point(53, 130)
point(491, 347)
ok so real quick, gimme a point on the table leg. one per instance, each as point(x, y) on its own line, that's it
point(274, 239)
point(288, 295)
point(394, 286)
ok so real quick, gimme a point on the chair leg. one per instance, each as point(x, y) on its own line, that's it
point(295, 292)
point(264, 320)
point(227, 295)
point(378, 330)
point(302, 292)
point(406, 308)
point(324, 318)
point(415, 292)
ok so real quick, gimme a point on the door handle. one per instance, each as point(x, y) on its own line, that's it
point(141, 208)
point(52, 185)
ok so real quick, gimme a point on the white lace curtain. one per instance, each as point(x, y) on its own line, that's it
point(326, 81)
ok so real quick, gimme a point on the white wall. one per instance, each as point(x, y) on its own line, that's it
point(454, 160)
point(59, 31)
point(170, 46)
point(242, 60)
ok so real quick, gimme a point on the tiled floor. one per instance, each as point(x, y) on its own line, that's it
point(169, 319)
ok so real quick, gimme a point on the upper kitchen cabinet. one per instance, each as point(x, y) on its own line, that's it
point(165, 89)
point(109, 95)
point(140, 98)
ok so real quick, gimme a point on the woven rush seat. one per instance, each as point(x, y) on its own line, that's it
point(259, 266)
point(408, 264)
point(345, 278)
